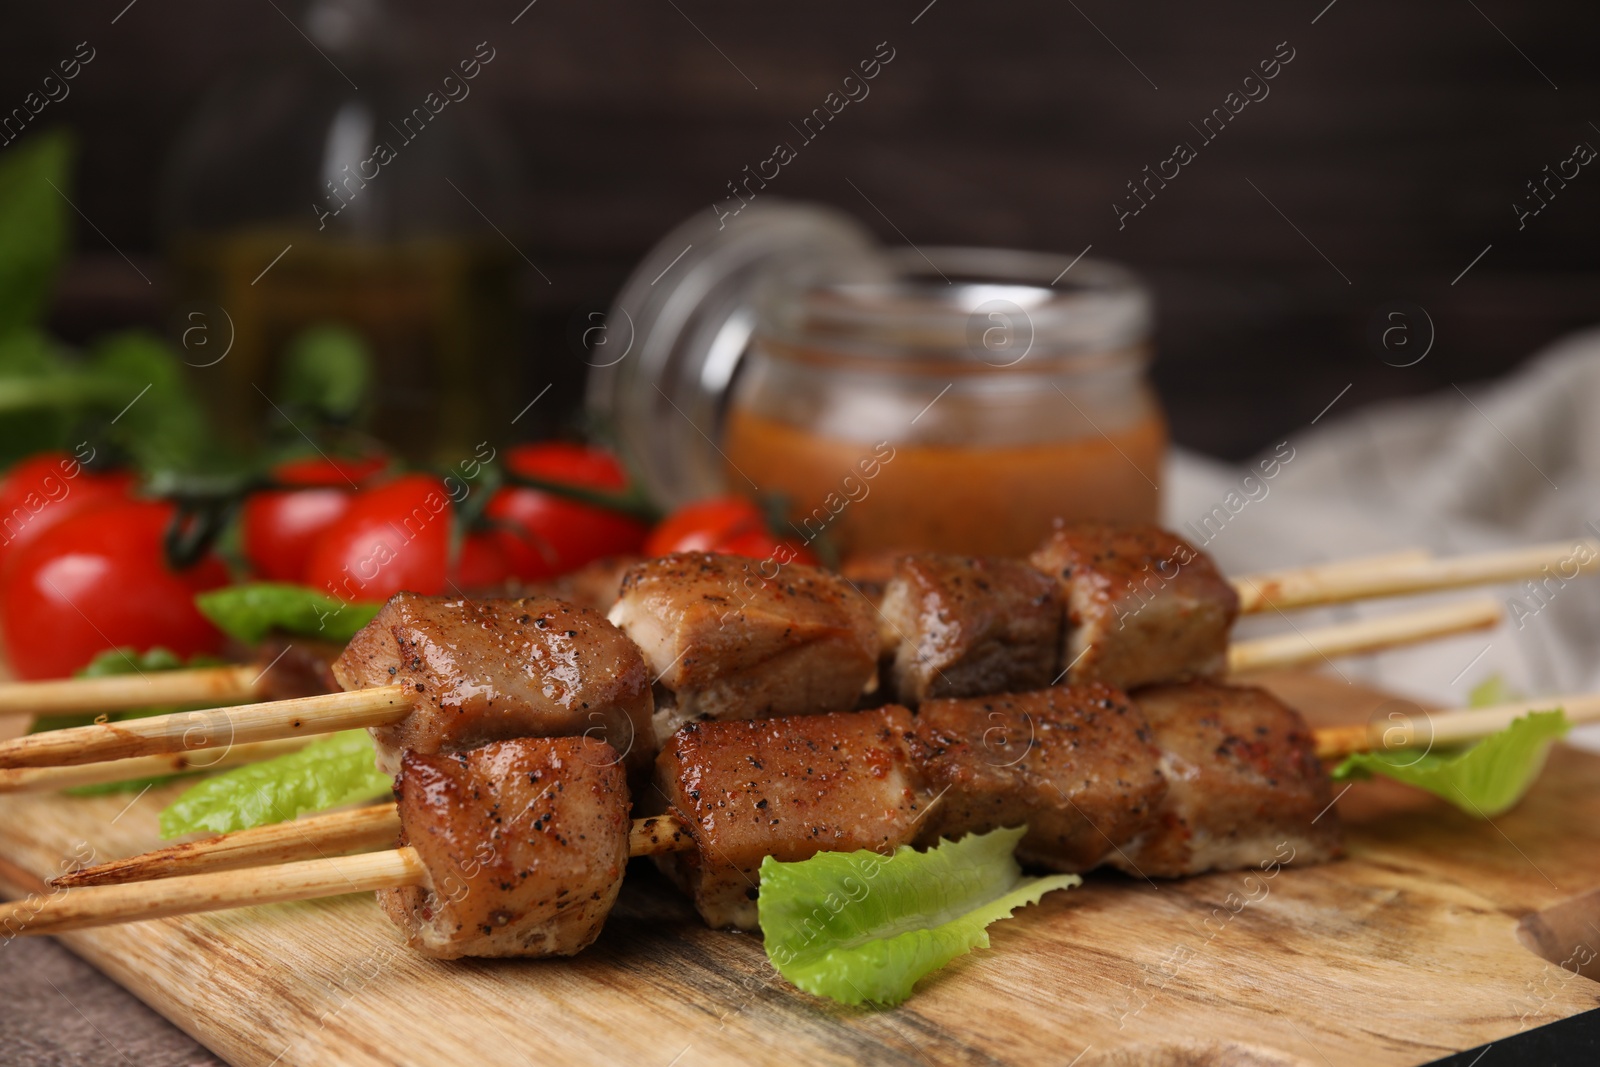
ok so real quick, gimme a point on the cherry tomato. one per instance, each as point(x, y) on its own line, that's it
point(392, 537)
point(759, 544)
point(543, 534)
point(705, 525)
point(279, 526)
point(100, 580)
point(46, 489)
point(483, 563)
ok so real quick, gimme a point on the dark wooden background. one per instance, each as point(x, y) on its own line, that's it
point(1396, 141)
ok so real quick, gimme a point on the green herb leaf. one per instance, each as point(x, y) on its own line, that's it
point(37, 388)
point(158, 420)
point(327, 372)
point(251, 611)
point(33, 225)
point(1484, 780)
point(860, 926)
point(325, 774)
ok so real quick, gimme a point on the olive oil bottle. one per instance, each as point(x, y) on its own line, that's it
point(350, 185)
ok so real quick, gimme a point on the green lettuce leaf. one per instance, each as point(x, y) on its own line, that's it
point(1491, 691)
point(130, 660)
point(325, 774)
point(860, 926)
point(1484, 780)
point(249, 612)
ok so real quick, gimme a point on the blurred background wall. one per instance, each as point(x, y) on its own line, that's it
point(1391, 152)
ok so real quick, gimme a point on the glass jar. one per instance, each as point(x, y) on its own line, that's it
point(936, 399)
point(959, 402)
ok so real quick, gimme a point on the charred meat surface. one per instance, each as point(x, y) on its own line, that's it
point(488, 670)
point(970, 627)
point(726, 642)
point(787, 789)
point(525, 842)
point(1075, 763)
point(1244, 787)
point(1143, 605)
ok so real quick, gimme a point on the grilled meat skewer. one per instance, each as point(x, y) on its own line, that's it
point(518, 847)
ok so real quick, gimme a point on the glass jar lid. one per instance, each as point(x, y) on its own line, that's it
point(678, 329)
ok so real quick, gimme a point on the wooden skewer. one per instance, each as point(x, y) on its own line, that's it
point(77, 909)
point(115, 899)
point(357, 830)
point(212, 728)
point(50, 779)
point(216, 890)
point(1448, 728)
point(1384, 560)
point(374, 826)
point(1363, 635)
point(1341, 583)
point(216, 727)
point(379, 824)
point(234, 684)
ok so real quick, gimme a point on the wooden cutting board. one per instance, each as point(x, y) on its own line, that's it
point(1403, 952)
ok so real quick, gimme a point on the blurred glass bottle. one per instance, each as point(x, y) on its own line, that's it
point(353, 188)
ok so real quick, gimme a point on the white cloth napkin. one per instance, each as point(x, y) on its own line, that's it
point(1481, 465)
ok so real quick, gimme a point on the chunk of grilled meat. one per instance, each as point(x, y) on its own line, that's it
point(487, 670)
point(525, 841)
point(971, 627)
point(1143, 605)
point(787, 789)
point(727, 643)
point(1075, 763)
point(1244, 787)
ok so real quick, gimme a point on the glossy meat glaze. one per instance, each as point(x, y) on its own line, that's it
point(1143, 605)
point(490, 670)
point(525, 843)
point(723, 642)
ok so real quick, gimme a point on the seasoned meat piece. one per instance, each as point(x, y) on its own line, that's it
point(525, 841)
point(1143, 605)
point(1244, 788)
point(1075, 763)
point(970, 627)
point(486, 670)
point(297, 667)
point(788, 789)
point(725, 642)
